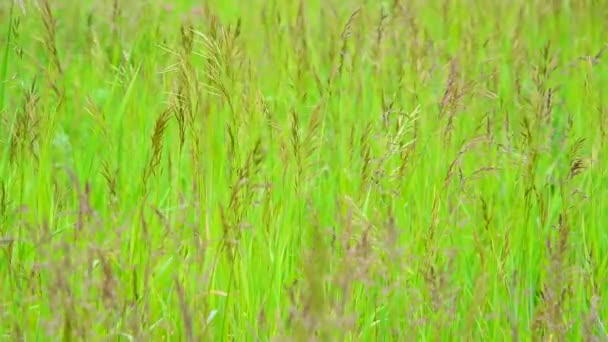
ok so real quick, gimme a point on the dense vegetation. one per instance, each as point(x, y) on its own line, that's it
point(308, 170)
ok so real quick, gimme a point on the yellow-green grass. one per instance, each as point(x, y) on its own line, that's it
point(303, 170)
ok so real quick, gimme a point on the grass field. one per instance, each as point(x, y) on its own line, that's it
point(303, 170)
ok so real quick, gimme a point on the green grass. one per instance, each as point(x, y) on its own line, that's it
point(314, 170)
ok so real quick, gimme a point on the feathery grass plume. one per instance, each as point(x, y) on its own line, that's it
point(187, 38)
point(184, 106)
point(456, 162)
point(241, 199)
point(344, 38)
point(27, 125)
point(223, 58)
point(398, 141)
point(156, 145)
point(299, 34)
point(54, 74)
point(50, 38)
point(269, 118)
point(577, 163)
point(312, 140)
point(384, 163)
point(407, 152)
point(296, 145)
point(451, 89)
point(543, 99)
point(180, 117)
point(365, 154)
point(111, 178)
point(187, 98)
point(305, 142)
point(214, 59)
point(454, 92)
point(378, 50)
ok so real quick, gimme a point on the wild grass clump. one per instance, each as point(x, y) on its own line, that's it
point(316, 170)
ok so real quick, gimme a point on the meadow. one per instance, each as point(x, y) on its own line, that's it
point(323, 170)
